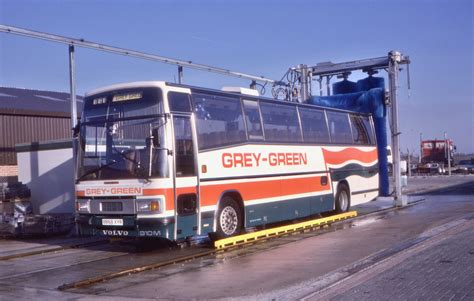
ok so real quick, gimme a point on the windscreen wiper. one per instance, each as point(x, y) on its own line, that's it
point(95, 170)
point(139, 171)
point(136, 164)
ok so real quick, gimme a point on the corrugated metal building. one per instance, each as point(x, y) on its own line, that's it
point(31, 116)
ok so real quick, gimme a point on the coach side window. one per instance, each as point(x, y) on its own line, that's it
point(252, 119)
point(359, 131)
point(370, 128)
point(219, 120)
point(313, 123)
point(280, 123)
point(339, 127)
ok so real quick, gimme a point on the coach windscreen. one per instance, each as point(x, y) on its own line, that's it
point(122, 135)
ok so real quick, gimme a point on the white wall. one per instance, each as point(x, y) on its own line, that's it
point(50, 176)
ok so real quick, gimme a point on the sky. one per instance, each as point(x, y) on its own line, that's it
point(260, 38)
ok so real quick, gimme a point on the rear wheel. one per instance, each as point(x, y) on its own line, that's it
point(343, 198)
point(229, 218)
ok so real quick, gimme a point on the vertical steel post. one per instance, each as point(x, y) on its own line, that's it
point(328, 88)
point(421, 147)
point(409, 163)
point(304, 78)
point(180, 74)
point(449, 159)
point(445, 147)
point(447, 151)
point(395, 58)
point(72, 85)
point(320, 80)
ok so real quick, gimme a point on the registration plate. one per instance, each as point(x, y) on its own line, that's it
point(112, 222)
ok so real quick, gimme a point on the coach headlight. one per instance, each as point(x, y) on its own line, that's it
point(145, 206)
point(83, 205)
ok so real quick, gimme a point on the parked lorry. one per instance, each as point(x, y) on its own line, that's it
point(435, 156)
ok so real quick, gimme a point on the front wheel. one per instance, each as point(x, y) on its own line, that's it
point(343, 198)
point(229, 218)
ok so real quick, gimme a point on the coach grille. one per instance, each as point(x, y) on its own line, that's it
point(111, 206)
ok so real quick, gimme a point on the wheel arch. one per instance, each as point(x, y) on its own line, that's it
point(345, 182)
point(237, 197)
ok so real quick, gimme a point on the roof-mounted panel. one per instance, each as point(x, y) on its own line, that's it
point(245, 91)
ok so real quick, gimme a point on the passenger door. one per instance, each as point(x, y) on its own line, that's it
point(186, 196)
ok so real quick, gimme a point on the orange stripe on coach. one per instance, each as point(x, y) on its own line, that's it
point(339, 157)
point(263, 189)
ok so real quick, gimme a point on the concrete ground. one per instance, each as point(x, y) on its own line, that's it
point(440, 268)
point(424, 251)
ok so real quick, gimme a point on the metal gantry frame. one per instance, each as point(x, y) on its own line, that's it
point(391, 64)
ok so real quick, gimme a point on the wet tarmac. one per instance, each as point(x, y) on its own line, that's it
point(285, 268)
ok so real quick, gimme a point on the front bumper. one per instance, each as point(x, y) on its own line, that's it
point(132, 227)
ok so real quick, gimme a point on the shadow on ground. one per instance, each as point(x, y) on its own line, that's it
point(460, 189)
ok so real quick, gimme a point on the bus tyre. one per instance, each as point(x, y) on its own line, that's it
point(343, 198)
point(229, 218)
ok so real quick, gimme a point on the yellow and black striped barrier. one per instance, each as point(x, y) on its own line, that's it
point(279, 231)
